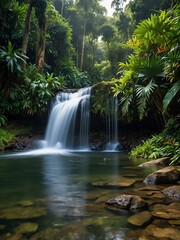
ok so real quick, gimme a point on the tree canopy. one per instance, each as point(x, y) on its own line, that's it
point(49, 45)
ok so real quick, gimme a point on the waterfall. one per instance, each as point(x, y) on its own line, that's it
point(64, 123)
point(112, 124)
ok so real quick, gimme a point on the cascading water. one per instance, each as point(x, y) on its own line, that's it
point(63, 121)
point(112, 124)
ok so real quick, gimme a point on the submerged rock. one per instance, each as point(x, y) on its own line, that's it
point(10, 236)
point(166, 175)
point(173, 191)
point(74, 231)
point(22, 212)
point(154, 232)
point(126, 201)
point(120, 182)
point(28, 227)
point(139, 219)
point(26, 203)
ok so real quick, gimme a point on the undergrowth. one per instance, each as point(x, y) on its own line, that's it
point(165, 144)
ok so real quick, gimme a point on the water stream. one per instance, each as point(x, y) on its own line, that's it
point(69, 122)
point(68, 126)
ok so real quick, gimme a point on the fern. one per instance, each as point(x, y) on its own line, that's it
point(143, 94)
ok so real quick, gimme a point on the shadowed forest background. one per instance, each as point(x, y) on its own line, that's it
point(50, 46)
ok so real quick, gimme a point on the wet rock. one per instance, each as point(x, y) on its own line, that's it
point(9, 236)
point(166, 175)
point(172, 191)
point(22, 212)
point(174, 222)
point(158, 162)
point(26, 203)
point(47, 234)
point(141, 218)
point(94, 195)
point(106, 197)
point(147, 188)
point(120, 182)
point(74, 231)
point(154, 232)
point(126, 201)
point(28, 227)
point(171, 211)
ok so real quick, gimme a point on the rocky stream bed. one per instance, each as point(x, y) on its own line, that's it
point(153, 210)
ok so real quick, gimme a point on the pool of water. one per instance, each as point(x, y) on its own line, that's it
point(72, 190)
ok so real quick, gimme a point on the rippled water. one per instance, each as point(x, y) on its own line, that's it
point(71, 188)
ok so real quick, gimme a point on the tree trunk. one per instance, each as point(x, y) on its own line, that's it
point(26, 32)
point(83, 46)
point(41, 46)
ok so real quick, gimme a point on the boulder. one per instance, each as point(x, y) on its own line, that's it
point(165, 175)
point(126, 201)
point(158, 162)
point(172, 191)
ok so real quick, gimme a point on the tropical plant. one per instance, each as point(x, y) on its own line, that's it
point(10, 65)
point(155, 67)
point(38, 90)
point(3, 119)
point(35, 93)
point(165, 144)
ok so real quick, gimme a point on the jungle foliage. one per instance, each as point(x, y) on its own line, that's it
point(150, 77)
point(46, 46)
point(167, 143)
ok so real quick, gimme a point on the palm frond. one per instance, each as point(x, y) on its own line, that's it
point(143, 94)
point(125, 103)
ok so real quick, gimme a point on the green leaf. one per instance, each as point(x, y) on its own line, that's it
point(170, 95)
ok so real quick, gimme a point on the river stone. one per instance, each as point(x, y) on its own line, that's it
point(174, 222)
point(139, 219)
point(72, 231)
point(173, 191)
point(163, 176)
point(171, 211)
point(47, 234)
point(126, 201)
point(95, 195)
point(122, 182)
point(28, 227)
point(26, 203)
point(153, 231)
point(22, 212)
point(105, 198)
point(158, 162)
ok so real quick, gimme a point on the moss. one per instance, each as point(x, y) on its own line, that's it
point(8, 133)
point(100, 92)
point(5, 138)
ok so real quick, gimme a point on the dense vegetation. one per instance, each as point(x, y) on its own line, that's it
point(46, 46)
point(167, 143)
